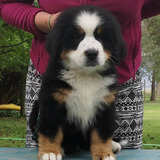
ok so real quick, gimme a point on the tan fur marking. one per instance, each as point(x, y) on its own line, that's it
point(110, 97)
point(99, 30)
point(64, 55)
point(47, 145)
point(99, 149)
point(80, 30)
point(61, 95)
point(108, 53)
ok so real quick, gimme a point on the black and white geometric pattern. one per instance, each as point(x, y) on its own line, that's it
point(129, 108)
point(129, 113)
point(33, 84)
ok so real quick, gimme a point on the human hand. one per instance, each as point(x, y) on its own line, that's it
point(45, 21)
point(52, 19)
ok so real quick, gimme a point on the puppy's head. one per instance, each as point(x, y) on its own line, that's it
point(86, 37)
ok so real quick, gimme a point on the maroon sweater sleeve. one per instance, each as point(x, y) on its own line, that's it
point(150, 8)
point(20, 14)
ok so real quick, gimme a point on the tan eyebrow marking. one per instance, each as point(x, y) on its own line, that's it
point(99, 30)
point(80, 30)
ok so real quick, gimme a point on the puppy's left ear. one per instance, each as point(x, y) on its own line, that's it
point(120, 50)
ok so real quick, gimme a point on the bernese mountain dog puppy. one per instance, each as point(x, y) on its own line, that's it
point(76, 105)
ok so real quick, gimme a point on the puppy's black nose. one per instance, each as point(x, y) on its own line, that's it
point(91, 54)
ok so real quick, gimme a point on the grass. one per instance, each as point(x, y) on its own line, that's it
point(13, 127)
point(151, 124)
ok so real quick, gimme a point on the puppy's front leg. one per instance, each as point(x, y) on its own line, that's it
point(101, 150)
point(50, 149)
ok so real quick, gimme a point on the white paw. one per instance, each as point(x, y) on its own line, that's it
point(51, 156)
point(109, 158)
point(116, 147)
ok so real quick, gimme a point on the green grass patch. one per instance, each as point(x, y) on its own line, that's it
point(12, 127)
point(151, 125)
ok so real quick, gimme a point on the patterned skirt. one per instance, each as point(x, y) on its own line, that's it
point(129, 108)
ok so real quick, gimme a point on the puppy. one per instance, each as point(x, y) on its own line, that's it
point(76, 105)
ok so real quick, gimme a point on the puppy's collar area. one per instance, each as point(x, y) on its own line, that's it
point(89, 90)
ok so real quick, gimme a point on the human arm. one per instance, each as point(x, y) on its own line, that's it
point(150, 8)
point(22, 14)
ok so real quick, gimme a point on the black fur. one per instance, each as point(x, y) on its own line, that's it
point(64, 37)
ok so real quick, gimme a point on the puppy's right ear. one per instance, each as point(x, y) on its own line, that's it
point(54, 41)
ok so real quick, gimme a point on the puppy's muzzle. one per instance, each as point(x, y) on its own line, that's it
point(91, 57)
point(91, 54)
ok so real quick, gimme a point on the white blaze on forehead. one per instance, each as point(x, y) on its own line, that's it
point(88, 21)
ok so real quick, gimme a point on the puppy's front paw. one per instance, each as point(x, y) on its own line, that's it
point(51, 156)
point(50, 149)
point(116, 147)
point(103, 156)
point(109, 158)
point(100, 149)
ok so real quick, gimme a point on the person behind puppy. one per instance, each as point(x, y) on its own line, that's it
point(38, 21)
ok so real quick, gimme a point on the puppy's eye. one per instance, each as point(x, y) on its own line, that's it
point(99, 30)
point(103, 32)
point(72, 37)
point(80, 30)
point(100, 33)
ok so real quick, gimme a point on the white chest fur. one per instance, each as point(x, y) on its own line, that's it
point(88, 91)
